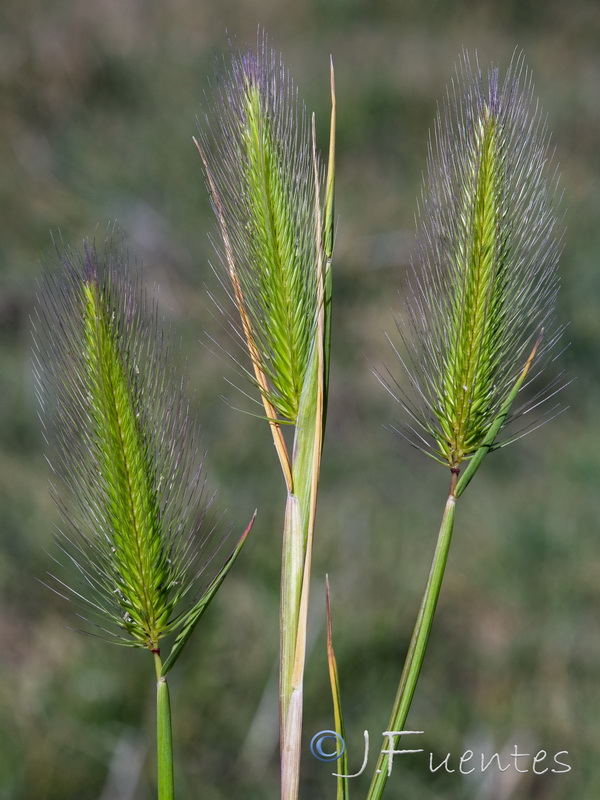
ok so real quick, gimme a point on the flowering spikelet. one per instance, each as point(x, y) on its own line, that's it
point(260, 165)
point(485, 278)
point(122, 446)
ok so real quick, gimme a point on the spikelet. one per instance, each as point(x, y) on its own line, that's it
point(122, 447)
point(485, 278)
point(260, 166)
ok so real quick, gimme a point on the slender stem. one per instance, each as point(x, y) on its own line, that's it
point(418, 642)
point(291, 587)
point(164, 736)
point(295, 586)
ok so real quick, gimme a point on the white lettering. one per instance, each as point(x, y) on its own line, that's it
point(536, 760)
point(561, 763)
point(390, 748)
point(364, 764)
point(443, 763)
point(466, 756)
point(494, 756)
point(517, 755)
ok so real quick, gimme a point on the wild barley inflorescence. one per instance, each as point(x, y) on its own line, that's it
point(122, 446)
point(485, 278)
point(123, 449)
point(266, 183)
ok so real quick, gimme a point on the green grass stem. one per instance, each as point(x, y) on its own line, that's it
point(423, 625)
point(164, 736)
point(418, 642)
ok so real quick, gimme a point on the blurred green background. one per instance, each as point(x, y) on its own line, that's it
point(99, 101)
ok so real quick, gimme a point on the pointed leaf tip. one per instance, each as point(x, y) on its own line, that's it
point(193, 616)
point(342, 781)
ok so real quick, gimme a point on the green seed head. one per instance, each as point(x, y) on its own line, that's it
point(485, 277)
point(122, 447)
point(258, 157)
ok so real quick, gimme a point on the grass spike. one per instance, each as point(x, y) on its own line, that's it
point(130, 485)
point(258, 161)
point(485, 279)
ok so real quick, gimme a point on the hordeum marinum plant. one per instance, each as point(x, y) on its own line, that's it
point(274, 207)
point(129, 484)
point(479, 321)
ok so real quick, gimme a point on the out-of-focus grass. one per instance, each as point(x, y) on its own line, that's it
point(98, 110)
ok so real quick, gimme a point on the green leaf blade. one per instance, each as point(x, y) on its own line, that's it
point(191, 618)
point(343, 789)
